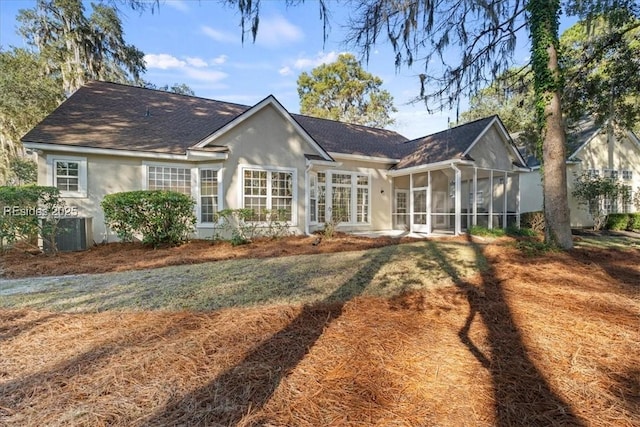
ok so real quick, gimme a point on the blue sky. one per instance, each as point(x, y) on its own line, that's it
point(199, 43)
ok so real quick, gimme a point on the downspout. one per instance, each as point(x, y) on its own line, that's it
point(458, 200)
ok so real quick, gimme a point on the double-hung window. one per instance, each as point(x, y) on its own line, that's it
point(69, 175)
point(266, 191)
point(208, 195)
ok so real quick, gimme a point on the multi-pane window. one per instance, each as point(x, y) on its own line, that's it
point(627, 175)
point(169, 178)
point(479, 199)
point(322, 199)
point(610, 173)
point(593, 173)
point(341, 197)
point(362, 199)
point(67, 175)
point(627, 199)
point(313, 198)
point(208, 195)
point(268, 190)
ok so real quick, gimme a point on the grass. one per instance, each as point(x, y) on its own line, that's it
point(247, 282)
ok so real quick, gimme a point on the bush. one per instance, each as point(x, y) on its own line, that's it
point(616, 221)
point(533, 221)
point(634, 221)
point(514, 231)
point(161, 217)
point(28, 212)
point(242, 227)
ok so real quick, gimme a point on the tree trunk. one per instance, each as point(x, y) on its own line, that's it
point(556, 202)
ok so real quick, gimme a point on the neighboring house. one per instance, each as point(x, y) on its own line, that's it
point(592, 150)
point(109, 138)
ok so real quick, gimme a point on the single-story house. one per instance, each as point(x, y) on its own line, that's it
point(593, 150)
point(108, 138)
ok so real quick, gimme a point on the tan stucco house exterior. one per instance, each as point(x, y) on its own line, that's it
point(109, 138)
point(595, 150)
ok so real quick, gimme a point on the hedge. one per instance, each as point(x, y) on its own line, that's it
point(161, 217)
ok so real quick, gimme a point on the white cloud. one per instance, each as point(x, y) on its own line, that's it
point(285, 71)
point(219, 60)
point(192, 67)
point(195, 62)
point(320, 58)
point(212, 76)
point(180, 5)
point(163, 61)
point(275, 31)
point(220, 36)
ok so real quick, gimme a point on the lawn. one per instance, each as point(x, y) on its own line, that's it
point(446, 333)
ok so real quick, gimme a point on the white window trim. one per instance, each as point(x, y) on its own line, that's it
point(52, 159)
point(294, 192)
point(195, 185)
point(312, 176)
point(354, 196)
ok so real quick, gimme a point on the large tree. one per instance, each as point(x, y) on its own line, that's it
point(79, 47)
point(344, 91)
point(28, 95)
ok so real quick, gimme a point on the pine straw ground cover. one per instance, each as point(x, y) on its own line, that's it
point(543, 340)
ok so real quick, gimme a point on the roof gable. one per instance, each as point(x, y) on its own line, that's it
point(268, 101)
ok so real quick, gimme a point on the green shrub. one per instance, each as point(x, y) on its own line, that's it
point(617, 221)
point(634, 221)
point(533, 221)
point(28, 212)
point(512, 230)
point(161, 217)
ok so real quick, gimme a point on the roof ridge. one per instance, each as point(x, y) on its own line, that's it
point(166, 92)
point(453, 128)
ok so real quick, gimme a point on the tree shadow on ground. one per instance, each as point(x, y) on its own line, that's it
point(522, 395)
point(245, 388)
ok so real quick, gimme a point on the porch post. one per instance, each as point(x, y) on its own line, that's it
point(429, 229)
point(490, 219)
point(458, 200)
point(504, 209)
point(475, 197)
point(518, 202)
point(411, 202)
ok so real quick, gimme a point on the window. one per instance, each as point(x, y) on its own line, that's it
point(593, 173)
point(208, 195)
point(362, 199)
point(627, 199)
point(69, 175)
point(169, 178)
point(313, 198)
point(322, 196)
point(627, 175)
point(341, 197)
point(610, 173)
point(479, 199)
point(266, 190)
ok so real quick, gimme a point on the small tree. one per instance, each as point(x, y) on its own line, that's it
point(594, 191)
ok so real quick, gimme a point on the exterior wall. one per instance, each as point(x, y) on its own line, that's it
point(105, 175)
point(265, 140)
point(492, 152)
point(598, 154)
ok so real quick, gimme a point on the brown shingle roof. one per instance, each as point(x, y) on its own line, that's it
point(446, 145)
point(115, 116)
point(108, 115)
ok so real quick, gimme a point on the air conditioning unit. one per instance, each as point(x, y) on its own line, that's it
point(73, 234)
